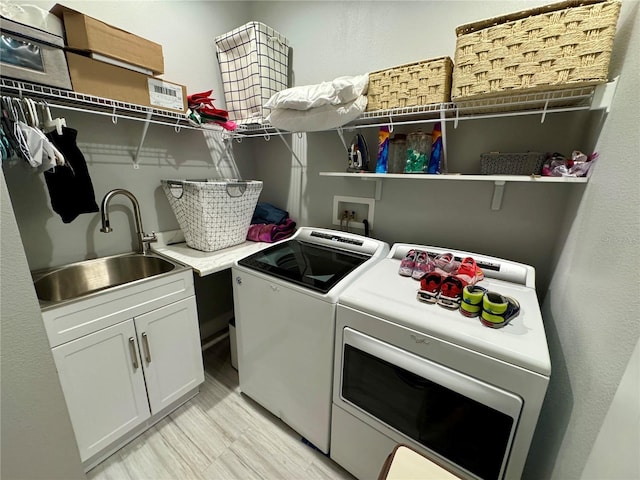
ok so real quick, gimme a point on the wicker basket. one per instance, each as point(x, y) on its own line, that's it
point(495, 163)
point(213, 214)
point(563, 45)
point(418, 83)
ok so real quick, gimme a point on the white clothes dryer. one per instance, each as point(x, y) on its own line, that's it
point(463, 394)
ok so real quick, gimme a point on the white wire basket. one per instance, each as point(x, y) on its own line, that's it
point(213, 214)
point(254, 63)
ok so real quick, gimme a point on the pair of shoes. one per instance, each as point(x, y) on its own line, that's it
point(445, 290)
point(416, 264)
point(498, 310)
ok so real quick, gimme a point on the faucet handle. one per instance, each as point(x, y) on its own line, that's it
point(149, 238)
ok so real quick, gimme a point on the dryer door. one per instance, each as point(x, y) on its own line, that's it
point(459, 418)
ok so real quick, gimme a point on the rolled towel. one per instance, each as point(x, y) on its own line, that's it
point(270, 232)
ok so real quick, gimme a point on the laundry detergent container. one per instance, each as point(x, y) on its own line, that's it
point(213, 214)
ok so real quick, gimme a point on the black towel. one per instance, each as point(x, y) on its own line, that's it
point(71, 191)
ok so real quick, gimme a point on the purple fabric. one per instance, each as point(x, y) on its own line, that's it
point(270, 232)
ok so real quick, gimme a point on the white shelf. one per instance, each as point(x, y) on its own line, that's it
point(499, 181)
point(69, 100)
point(457, 177)
point(538, 103)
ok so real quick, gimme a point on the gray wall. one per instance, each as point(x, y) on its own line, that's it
point(579, 238)
point(37, 441)
point(332, 39)
point(591, 334)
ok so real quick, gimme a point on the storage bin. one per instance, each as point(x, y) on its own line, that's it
point(563, 45)
point(33, 55)
point(254, 63)
point(495, 163)
point(409, 85)
point(213, 214)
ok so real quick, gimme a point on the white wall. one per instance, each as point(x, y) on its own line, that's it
point(615, 452)
point(341, 38)
point(538, 224)
point(591, 307)
point(187, 31)
point(37, 441)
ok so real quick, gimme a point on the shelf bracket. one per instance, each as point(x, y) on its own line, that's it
point(145, 128)
point(498, 192)
point(544, 112)
point(378, 186)
point(603, 95)
point(300, 164)
point(340, 133)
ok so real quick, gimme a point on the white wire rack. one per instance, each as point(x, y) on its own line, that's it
point(540, 103)
point(81, 102)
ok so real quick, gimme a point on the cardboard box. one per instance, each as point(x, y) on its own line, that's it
point(108, 81)
point(87, 34)
point(32, 55)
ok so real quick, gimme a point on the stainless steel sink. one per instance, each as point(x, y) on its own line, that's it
point(83, 278)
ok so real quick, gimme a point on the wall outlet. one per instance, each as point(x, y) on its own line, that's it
point(350, 207)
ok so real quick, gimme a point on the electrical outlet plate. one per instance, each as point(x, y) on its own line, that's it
point(363, 208)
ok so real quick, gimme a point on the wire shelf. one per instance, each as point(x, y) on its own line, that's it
point(70, 100)
point(505, 105)
point(553, 101)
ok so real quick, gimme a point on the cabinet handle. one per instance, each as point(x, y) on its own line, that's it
point(134, 355)
point(147, 352)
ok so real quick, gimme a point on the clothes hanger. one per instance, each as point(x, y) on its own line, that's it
point(50, 123)
point(51, 156)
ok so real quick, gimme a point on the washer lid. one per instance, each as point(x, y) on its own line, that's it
point(382, 292)
point(312, 266)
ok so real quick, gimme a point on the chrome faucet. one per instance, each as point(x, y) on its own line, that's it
point(142, 239)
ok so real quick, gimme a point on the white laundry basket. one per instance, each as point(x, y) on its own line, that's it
point(213, 214)
point(254, 63)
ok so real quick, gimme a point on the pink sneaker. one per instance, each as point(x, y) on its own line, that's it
point(408, 263)
point(423, 265)
point(446, 264)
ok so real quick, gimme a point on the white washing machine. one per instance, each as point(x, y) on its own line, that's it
point(465, 395)
point(285, 299)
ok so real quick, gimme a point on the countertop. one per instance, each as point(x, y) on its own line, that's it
point(172, 245)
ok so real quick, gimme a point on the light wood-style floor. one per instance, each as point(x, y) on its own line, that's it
point(219, 434)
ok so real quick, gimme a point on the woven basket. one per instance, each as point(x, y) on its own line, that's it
point(409, 85)
point(529, 163)
point(563, 45)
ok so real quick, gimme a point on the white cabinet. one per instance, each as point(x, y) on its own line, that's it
point(103, 385)
point(126, 358)
point(169, 344)
point(103, 374)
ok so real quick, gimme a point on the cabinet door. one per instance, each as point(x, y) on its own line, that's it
point(171, 353)
point(103, 384)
